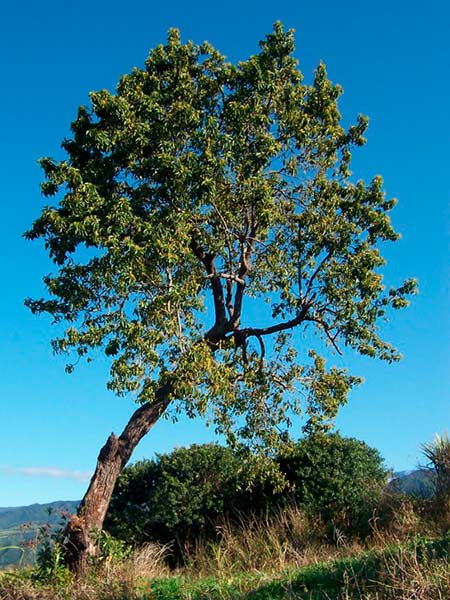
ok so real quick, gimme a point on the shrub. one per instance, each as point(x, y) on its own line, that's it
point(437, 453)
point(176, 496)
point(340, 479)
point(180, 497)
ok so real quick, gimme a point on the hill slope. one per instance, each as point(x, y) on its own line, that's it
point(21, 524)
point(420, 483)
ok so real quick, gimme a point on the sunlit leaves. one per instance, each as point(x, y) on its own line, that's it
point(194, 187)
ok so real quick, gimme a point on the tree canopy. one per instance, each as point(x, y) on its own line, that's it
point(203, 213)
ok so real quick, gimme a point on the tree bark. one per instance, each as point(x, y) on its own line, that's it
point(78, 541)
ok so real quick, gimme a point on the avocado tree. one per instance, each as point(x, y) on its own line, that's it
point(203, 216)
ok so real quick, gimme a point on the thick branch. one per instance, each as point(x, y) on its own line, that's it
point(260, 331)
point(142, 420)
point(207, 259)
point(112, 458)
point(263, 351)
point(248, 245)
point(229, 298)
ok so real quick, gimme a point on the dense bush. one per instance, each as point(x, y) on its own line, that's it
point(341, 479)
point(181, 496)
point(176, 496)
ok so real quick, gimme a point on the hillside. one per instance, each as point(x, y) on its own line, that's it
point(20, 524)
point(420, 483)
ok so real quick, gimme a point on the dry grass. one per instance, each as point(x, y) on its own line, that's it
point(408, 577)
point(112, 580)
point(147, 562)
point(403, 576)
point(257, 552)
point(292, 539)
point(288, 539)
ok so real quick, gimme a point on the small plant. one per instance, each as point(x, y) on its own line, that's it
point(50, 564)
point(437, 453)
point(110, 549)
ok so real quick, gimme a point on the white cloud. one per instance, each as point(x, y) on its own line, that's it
point(53, 472)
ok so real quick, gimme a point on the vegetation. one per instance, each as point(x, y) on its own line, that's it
point(438, 455)
point(195, 191)
point(418, 568)
point(181, 497)
point(178, 497)
point(339, 479)
point(20, 526)
point(285, 553)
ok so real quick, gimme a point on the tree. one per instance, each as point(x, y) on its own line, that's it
point(179, 497)
point(195, 187)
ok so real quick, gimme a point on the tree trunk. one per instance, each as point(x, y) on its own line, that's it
point(114, 455)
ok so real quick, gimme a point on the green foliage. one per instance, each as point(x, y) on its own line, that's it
point(196, 186)
point(181, 497)
point(339, 478)
point(437, 453)
point(177, 496)
point(50, 565)
point(110, 548)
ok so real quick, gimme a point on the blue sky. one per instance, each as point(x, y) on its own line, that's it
point(392, 59)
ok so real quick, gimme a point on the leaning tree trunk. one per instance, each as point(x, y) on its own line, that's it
point(114, 455)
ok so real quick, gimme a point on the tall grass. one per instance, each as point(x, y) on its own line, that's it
point(288, 555)
point(269, 544)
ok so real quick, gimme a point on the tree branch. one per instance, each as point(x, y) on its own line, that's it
point(229, 298)
point(142, 420)
point(327, 329)
point(248, 244)
point(263, 352)
point(260, 331)
point(207, 259)
point(316, 272)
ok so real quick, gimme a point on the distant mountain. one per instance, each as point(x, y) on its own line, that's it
point(36, 513)
point(420, 482)
point(21, 524)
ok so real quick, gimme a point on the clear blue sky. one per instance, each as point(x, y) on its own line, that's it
point(392, 59)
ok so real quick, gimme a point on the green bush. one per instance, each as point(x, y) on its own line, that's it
point(180, 497)
point(177, 496)
point(340, 479)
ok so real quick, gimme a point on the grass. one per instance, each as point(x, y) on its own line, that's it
point(419, 570)
point(279, 559)
point(416, 570)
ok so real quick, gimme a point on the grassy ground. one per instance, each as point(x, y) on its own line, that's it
point(416, 570)
point(284, 558)
point(419, 570)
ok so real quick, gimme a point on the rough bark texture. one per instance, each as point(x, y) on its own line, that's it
point(114, 455)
